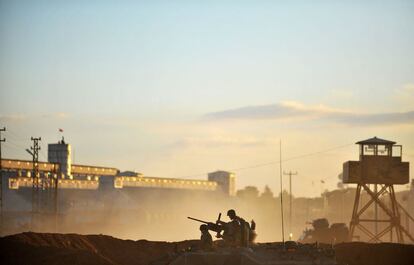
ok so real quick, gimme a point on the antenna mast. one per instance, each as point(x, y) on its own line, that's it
point(281, 191)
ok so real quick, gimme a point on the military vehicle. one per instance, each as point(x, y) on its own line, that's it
point(323, 233)
point(290, 253)
point(248, 231)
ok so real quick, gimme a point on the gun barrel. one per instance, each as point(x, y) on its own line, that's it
point(198, 220)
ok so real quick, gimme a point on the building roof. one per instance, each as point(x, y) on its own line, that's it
point(377, 141)
point(129, 174)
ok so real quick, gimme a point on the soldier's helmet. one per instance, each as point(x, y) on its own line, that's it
point(203, 227)
point(231, 213)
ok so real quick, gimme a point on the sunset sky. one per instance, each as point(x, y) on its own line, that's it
point(182, 88)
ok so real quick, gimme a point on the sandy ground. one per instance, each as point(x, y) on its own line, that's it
point(65, 249)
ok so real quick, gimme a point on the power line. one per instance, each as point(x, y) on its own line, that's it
point(16, 135)
point(16, 146)
point(20, 147)
point(15, 139)
point(18, 139)
point(10, 136)
point(277, 162)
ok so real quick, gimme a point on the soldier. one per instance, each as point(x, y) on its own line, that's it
point(243, 228)
point(231, 232)
point(235, 233)
point(206, 241)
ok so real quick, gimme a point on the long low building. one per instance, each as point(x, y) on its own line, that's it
point(26, 166)
point(120, 182)
point(155, 182)
point(87, 177)
point(101, 199)
point(16, 183)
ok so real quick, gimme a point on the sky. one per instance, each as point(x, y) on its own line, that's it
point(182, 88)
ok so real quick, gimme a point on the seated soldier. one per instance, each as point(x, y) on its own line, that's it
point(206, 241)
point(244, 228)
point(231, 231)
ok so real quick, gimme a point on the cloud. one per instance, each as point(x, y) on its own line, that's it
point(14, 117)
point(224, 140)
point(378, 118)
point(286, 109)
point(296, 110)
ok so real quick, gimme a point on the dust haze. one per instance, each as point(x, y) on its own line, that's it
point(161, 214)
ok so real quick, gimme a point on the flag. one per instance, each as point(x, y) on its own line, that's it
point(60, 130)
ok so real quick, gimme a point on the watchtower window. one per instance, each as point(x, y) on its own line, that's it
point(383, 150)
point(397, 150)
point(376, 150)
point(368, 150)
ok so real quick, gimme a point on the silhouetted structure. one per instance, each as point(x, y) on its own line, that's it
point(1, 184)
point(379, 165)
point(88, 177)
point(322, 233)
point(226, 180)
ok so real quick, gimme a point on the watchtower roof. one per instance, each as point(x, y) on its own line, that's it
point(377, 141)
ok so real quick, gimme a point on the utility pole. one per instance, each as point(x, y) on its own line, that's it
point(1, 183)
point(34, 151)
point(290, 174)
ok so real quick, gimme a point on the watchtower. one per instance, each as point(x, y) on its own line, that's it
point(379, 167)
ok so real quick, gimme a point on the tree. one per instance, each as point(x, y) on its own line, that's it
point(248, 193)
point(267, 193)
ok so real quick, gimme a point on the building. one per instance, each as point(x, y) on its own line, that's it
point(96, 199)
point(60, 153)
point(225, 180)
point(87, 177)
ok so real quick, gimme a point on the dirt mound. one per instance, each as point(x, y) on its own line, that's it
point(69, 249)
point(359, 253)
point(45, 248)
point(20, 253)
